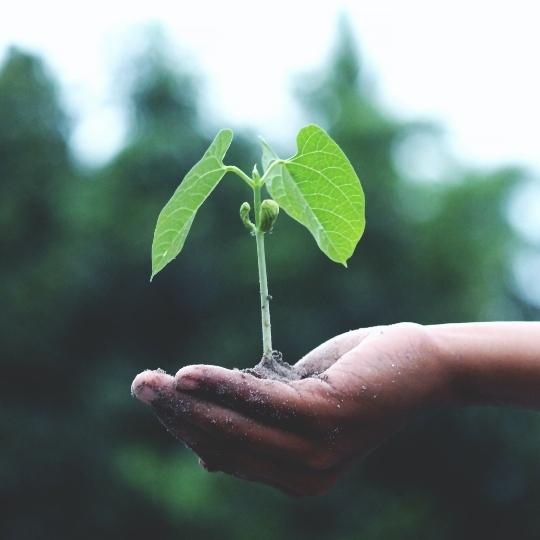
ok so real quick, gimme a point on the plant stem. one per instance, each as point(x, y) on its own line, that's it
point(240, 173)
point(263, 280)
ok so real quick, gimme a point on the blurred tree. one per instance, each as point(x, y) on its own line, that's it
point(79, 319)
point(34, 168)
point(56, 476)
point(432, 253)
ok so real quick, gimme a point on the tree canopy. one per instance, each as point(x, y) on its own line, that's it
point(81, 460)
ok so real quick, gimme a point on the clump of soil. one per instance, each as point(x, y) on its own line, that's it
point(273, 367)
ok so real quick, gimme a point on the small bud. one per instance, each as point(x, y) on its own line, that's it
point(255, 173)
point(269, 214)
point(245, 209)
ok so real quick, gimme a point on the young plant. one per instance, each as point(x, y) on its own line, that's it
point(317, 187)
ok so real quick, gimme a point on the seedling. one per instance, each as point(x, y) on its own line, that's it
point(317, 187)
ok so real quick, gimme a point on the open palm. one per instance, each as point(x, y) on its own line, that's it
point(299, 436)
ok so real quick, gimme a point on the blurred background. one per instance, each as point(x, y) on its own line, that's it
point(102, 112)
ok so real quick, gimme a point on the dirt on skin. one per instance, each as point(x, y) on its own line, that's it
point(273, 367)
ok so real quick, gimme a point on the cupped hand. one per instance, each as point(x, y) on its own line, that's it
point(300, 436)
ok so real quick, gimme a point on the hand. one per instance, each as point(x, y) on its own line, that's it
point(300, 436)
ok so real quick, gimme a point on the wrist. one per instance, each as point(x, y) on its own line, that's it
point(440, 367)
point(490, 363)
point(451, 362)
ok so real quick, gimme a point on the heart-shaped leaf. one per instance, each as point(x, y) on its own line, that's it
point(319, 188)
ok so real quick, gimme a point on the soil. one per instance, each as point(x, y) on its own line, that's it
point(273, 367)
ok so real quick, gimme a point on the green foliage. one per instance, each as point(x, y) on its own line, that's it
point(318, 187)
point(178, 214)
point(79, 459)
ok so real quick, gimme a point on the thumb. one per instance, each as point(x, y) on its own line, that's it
point(325, 355)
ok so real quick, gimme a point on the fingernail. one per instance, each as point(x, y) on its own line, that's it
point(145, 393)
point(187, 383)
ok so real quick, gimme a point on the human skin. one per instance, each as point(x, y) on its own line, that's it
point(301, 436)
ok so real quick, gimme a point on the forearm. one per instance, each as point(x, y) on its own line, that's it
point(491, 363)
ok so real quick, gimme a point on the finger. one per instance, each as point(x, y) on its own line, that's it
point(216, 433)
point(300, 403)
point(148, 385)
point(175, 409)
point(248, 435)
point(313, 475)
point(158, 389)
point(191, 436)
point(322, 357)
point(360, 367)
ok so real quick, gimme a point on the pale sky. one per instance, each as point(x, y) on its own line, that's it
point(471, 66)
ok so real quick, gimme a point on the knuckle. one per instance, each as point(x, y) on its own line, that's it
point(417, 335)
point(407, 325)
point(410, 328)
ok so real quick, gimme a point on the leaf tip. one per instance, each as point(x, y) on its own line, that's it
point(226, 136)
point(311, 126)
point(156, 269)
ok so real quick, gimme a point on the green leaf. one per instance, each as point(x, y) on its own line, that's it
point(175, 219)
point(319, 188)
